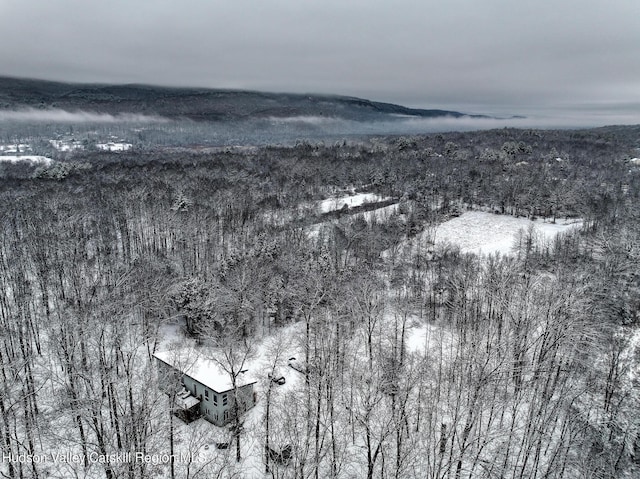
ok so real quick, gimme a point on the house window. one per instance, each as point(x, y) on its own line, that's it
point(224, 399)
point(215, 400)
point(226, 415)
point(206, 394)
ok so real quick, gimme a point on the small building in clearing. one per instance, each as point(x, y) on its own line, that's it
point(198, 386)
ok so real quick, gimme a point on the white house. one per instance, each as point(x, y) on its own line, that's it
point(201, 388)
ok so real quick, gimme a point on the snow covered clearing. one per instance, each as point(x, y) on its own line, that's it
point(359, 199)
point(487, 233)
point(112, 146)
point(15, 148)
point(30, 158)
point(66, 145)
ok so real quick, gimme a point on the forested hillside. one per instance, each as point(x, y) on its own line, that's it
point(527, 366)
point(201, 104)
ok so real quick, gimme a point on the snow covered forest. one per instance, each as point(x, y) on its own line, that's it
point(414, 358)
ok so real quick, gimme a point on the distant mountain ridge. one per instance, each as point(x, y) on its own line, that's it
point(200, 104)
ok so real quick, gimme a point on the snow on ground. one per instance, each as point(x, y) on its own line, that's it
point(15, 148)
point(426, 338)
point(313, 231)
point(633, 351)
point(487, 233)
point(360, 199)
point(380, 214)
point(113, 146)
point(635, 161)
point(66, 145)
point(169, 333)
point(431, 342)
point(31, 158)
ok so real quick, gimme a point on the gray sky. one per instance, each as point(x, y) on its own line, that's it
point(482, 56)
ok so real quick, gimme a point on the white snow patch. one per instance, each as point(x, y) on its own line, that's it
point(169, 333)
point(430, 340)
point(313, 231)
point(635, 161)
point(15, 148)
point(359, 199)
point(31, 158)
point(632, 351)
point(63, 145)
point(112, 146)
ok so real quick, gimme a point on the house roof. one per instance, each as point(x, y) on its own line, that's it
point(203, 370)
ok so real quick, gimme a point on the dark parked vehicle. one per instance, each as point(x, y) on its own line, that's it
point(277, 378)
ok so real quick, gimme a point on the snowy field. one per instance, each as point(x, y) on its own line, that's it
point(488, 233)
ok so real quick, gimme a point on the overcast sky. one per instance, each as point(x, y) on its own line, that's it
point(472, 55)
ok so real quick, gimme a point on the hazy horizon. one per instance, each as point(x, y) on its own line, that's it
point(497, 57)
